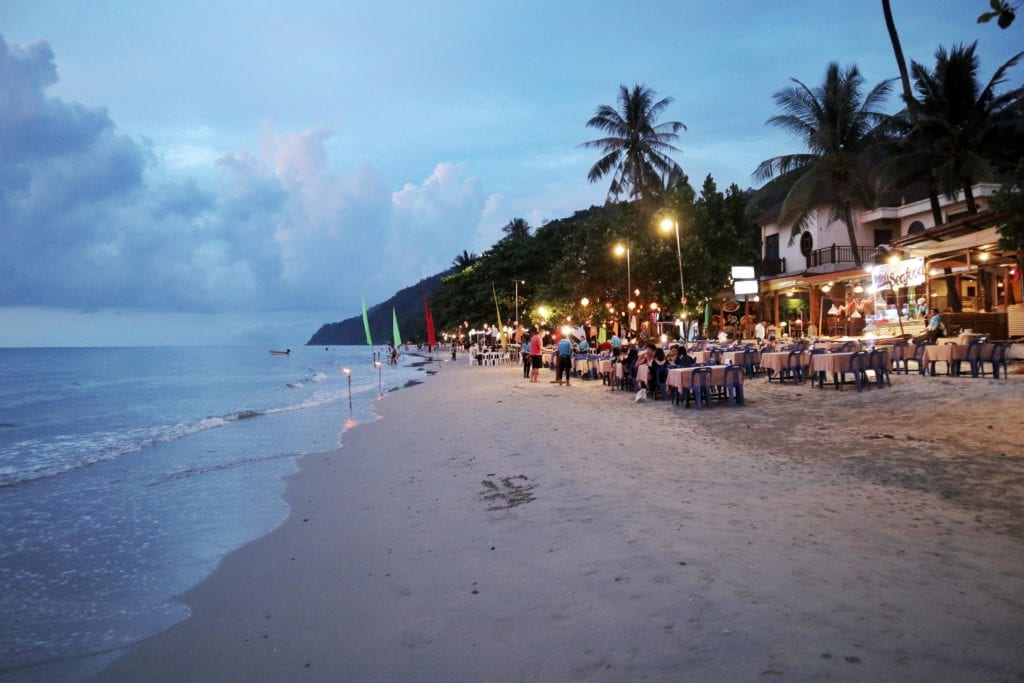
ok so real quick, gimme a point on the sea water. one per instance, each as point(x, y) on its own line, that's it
point(126, 474)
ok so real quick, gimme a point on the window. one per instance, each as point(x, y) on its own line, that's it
point(771, 247)
point(806, 243)
point(916, 226)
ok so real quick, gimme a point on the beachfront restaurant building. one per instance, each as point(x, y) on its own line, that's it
point(812, 285)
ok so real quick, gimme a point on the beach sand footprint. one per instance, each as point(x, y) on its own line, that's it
point(509, 492)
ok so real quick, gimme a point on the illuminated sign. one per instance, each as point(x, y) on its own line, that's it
point(909, 273)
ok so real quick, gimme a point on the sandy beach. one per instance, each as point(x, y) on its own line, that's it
point(486, 528)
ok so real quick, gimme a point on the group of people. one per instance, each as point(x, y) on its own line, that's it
point(632, 357)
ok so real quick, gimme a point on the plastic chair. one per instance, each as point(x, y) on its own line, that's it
point(899, 357)
point(916, 357)
point(750, 361)
point(794, 370)
point(972, 356)
point(859, 368)
point(627, 376)
point(733, 384)
point(877, 364)
point(998, 360)
point(700, 387)
point(661, 381)
point(849, 347)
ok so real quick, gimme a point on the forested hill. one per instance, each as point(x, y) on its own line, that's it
point(408, 305)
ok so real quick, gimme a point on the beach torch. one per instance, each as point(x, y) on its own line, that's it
point(348, 373)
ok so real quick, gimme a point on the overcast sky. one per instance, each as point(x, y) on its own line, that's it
point(203, 171)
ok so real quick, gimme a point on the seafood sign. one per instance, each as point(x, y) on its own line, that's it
point(908, 273)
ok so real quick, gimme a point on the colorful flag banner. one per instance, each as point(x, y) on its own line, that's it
point(431, 337)
point(366, 321)
point(394, 325)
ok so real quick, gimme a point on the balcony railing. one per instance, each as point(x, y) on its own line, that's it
point(834, 255)
point(839, 254)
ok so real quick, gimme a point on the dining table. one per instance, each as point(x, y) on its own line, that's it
point(680, 377)
point(736, 357)
point(678, 382)
point(949, 353)
point(774, 362)
point(837, 363)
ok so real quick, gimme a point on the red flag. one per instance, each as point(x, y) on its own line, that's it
point(431, 338)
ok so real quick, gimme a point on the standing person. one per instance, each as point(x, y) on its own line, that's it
point(760, 330)
point(564, 361)
point(616, 342)
point(524, 351)
point(746, 326)
point(536, 361)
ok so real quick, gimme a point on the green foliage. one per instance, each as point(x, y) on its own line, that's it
point(963, 124)
point(1010, 198)
point(839, 126)
point(1003, 10)
point(569, 259)
point(637, 146)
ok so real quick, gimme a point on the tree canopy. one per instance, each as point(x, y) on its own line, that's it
point(839, 126)
point(637, 147)
point(567, 260)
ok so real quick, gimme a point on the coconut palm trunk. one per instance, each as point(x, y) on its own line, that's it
point(912, 105)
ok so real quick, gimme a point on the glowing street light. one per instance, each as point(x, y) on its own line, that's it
point(621, 250)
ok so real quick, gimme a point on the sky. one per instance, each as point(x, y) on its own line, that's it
point(215, 172)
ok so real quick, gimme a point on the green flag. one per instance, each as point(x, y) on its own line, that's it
point(394, 325)
point(366, 321)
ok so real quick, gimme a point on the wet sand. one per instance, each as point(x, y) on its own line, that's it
point(488, 528)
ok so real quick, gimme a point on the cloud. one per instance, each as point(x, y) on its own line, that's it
point(93, 219)
point(438, 219)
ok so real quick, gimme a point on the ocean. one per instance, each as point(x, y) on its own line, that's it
point(126, 474)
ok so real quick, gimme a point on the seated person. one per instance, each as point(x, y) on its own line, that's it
point(672, 352)
point(684, 359)
point(935, 327)
point(659, 366)
point(646, 355)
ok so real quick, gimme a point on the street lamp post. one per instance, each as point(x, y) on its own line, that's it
point(517, 281)
point(619, 251)
point(666, 225)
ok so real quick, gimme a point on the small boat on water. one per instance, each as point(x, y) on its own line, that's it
point(286, 352)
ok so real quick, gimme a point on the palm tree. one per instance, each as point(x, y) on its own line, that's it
point(516, 228)
point(839, 126)
point(960, 119)
point(637, 147)
point(912, 104)
point(465, 260)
